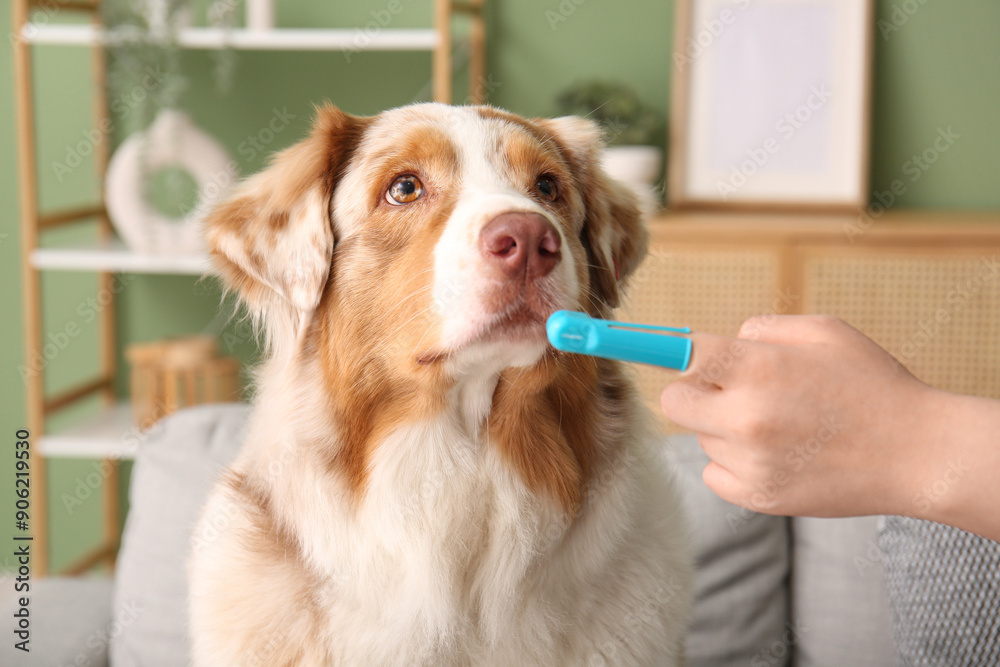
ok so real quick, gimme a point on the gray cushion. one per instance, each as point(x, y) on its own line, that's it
point(944, 585)
point(838, 594)
point(741, 590)
point(174, 471)
point(71, 622)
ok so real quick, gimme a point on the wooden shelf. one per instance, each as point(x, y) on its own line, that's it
point(114, 256)
point(278, 39)
point(107, 434)
point(897, 227)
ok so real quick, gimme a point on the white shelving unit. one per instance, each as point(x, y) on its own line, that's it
point(112, 255)
point(278, 39)
point(110, 434)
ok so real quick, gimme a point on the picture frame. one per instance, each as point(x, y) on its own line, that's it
point(771, 105)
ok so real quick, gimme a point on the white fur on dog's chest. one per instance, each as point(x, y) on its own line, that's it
point(449, 559)
point(443, 551)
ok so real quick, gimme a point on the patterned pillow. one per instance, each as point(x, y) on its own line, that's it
point(944, 592)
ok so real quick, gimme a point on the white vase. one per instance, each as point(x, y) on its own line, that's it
point(172, 141)
point(637, 167)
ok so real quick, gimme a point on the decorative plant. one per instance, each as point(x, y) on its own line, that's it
point(142, 40)
point(616, 107)
point(144, 56)
point(145, 77)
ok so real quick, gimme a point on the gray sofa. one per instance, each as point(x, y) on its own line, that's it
point(770, 590)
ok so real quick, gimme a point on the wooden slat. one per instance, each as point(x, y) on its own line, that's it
point(477, 59)
point(67, 5)
point(894, 228)
point(108, 317)
point(676, 127)
point(111, 528)
point(112, 511)
point(868, 104)
point(86, 562)
point(60, 218)
point(467, 7)
point(73, 395)
point(30, 280)
point(442, 52)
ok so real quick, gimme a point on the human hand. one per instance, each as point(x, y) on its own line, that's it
point(804, 415)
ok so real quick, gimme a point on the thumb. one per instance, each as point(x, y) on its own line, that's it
point(728, 486)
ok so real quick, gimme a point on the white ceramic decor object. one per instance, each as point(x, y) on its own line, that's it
point(637, 167)
point(260, 15)
point(172, 141)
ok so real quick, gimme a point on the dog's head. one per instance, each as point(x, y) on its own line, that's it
point(430, 237)
point(421, 251)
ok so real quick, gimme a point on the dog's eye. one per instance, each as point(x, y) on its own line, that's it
point(404, 189)
point(546, 186)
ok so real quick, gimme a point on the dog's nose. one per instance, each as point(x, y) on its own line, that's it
point(521, 244)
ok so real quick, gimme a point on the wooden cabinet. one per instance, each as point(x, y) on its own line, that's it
point(924, 285)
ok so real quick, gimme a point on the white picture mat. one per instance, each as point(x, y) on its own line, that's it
point(773, 58)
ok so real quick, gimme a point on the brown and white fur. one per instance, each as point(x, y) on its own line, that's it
point(426, 481)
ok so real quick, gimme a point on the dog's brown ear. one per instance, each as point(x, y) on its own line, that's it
point(272, 241)
point(613, 231)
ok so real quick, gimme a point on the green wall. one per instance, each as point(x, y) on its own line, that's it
point(938, 70)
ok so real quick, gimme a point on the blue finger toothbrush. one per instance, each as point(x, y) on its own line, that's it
point(570, 331)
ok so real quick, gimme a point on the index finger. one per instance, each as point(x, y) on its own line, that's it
point(713, 358)
point(696, 400)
